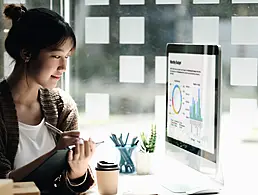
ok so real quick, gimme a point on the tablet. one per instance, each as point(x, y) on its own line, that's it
point(44, 175)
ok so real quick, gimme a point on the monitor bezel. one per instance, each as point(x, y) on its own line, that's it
point(186, 48)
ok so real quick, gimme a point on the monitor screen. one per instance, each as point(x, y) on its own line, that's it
point(192, 98)
point(193, 105)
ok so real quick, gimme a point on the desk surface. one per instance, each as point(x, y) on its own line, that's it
point(147, 185)
point(141, 185)
point(133, 184)
point(136, 185)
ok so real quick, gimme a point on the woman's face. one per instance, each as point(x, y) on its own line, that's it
point(47, 69)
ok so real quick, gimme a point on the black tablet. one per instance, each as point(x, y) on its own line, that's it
point(44, 175)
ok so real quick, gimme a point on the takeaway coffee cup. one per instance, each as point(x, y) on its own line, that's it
point(107, 177)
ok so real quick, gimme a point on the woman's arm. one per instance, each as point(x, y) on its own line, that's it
point(68, 120)
point(5, 166)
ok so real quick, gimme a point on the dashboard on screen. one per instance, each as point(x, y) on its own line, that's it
point(192, 98)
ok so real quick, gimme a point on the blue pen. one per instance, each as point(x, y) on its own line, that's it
point(126, 138)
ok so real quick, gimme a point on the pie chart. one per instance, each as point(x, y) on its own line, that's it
point(176, 99)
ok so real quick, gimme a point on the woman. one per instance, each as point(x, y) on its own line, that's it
point(40, 41)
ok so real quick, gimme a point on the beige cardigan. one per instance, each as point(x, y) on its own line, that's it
point(58, 108)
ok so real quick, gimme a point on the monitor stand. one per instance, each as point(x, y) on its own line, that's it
point(189, 187)
point(179, 178)
point(176, 187)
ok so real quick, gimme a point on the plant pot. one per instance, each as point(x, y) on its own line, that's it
point(144, 163)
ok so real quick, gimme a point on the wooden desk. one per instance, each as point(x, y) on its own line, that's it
point(8, 187)
point(25, 188)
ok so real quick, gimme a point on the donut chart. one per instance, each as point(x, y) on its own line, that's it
point(176, 99)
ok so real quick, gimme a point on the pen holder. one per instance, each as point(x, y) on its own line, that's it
point(126, 163)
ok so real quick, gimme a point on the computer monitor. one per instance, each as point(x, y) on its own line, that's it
point(193, 110)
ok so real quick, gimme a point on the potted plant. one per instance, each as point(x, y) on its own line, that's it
point(144, 156)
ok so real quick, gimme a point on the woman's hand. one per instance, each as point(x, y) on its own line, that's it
point(79, 158)
point(67, 138)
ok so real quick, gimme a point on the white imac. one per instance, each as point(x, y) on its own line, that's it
point(193, 116)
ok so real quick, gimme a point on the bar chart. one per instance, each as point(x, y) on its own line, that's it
point(195, 108)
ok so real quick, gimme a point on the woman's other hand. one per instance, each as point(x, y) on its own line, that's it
point(79, 157)
point(67, 138)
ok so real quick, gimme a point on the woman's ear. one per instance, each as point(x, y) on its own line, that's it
point(25, 55)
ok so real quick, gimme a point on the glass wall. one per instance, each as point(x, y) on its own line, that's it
point(117, 75)
point(119, 65)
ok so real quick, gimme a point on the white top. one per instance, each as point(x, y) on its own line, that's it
point(34, 141)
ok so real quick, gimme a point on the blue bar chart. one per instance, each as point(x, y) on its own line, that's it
point(195, 108)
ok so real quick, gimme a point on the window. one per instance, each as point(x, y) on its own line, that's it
point(117, 75)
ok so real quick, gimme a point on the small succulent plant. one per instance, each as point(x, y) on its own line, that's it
point(148, 144)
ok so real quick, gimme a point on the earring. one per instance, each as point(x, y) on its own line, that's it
point(26, 60)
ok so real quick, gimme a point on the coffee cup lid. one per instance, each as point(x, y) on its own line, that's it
point(106, 166)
